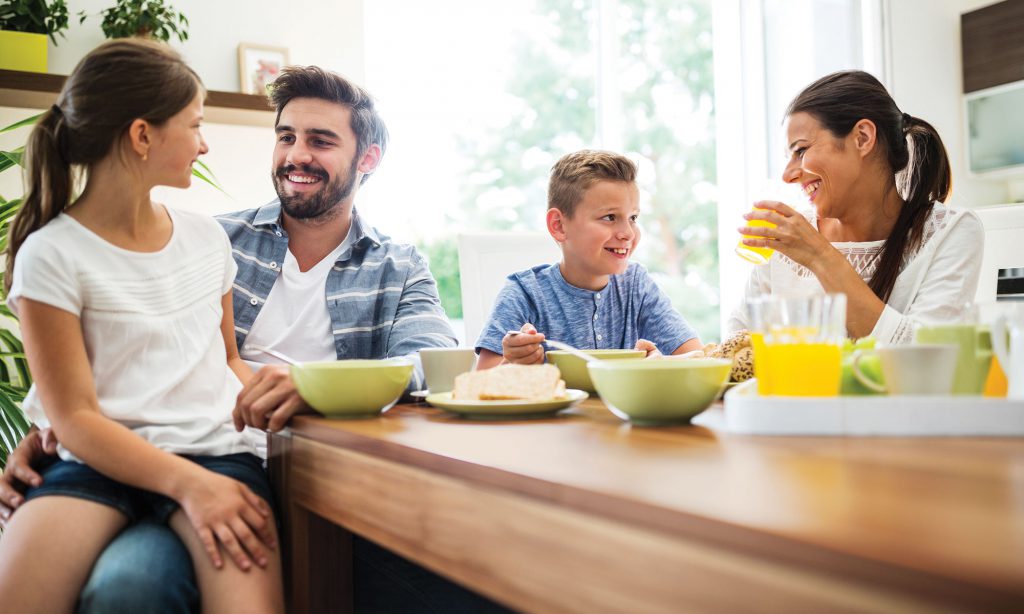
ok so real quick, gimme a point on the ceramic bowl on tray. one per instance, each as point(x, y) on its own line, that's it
point(352, 388)
point(655, 392)
point(574, 368)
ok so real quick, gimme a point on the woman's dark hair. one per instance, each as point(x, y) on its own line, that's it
point(912, 147)
point(315, 82)
point(115, 84)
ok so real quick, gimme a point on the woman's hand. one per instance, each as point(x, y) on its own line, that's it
point(524, 347)
point(793, 235)
point(226, 511)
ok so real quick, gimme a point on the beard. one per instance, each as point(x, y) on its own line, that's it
point(318, 204)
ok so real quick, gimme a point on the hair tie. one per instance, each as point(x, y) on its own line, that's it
point(57, 110)
point(906, 122)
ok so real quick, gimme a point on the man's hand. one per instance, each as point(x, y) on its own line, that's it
point(268, 400)
point(19, 475)
point(523, 347)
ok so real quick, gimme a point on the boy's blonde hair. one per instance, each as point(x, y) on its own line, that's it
point(574, 173)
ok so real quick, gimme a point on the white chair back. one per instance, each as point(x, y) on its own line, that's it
point(1004, 232)
point(486, 259)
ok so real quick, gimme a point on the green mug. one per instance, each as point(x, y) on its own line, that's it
point(974, 358)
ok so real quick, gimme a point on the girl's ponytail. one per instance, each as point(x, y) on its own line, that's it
point(48, 178)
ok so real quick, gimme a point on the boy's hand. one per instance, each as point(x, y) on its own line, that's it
point(649, 347)
point(523, 347)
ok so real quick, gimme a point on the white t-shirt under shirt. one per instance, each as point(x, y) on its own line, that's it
point(294, 320)
point(151, 325)
point(934, 282)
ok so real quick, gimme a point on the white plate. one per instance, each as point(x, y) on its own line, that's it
point(502, 410)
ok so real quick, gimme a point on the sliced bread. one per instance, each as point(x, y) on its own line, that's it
point(510, 382)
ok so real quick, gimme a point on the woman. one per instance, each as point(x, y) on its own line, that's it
point(873, 175)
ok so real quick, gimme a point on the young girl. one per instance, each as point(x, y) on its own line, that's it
point(125, 308)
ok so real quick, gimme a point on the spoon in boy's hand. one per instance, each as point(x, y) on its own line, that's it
point(561, 346)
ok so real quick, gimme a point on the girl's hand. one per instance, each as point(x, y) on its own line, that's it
point(224, 510)
point(523, 347)
point(649, 347)
point(793, 235)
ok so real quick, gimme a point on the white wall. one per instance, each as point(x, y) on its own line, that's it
point(926, 80)
point(328, 33)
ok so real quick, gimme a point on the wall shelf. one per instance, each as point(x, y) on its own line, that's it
point(39, 90)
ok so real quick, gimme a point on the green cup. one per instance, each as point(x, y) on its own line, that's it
point(974, 358)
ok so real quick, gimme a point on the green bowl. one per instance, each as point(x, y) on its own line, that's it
point(352, 388)
point(574, 368)
point(656, 392)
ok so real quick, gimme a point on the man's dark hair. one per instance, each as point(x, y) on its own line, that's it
point(315, 82)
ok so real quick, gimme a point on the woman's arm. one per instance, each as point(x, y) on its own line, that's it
point(946, 282)
point(795, 237)
point(219, 510)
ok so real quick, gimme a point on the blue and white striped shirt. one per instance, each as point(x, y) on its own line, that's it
point(381, 296)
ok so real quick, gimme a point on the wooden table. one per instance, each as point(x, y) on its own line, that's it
point(584, 513)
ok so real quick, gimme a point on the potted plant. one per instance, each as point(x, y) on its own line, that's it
point(24, 26)
point(14, 374)
point(145, 18)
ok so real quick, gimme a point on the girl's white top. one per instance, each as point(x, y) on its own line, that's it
point(934, 283)
point(151, 324)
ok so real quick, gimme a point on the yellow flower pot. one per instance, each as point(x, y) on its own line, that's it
point(22, 51)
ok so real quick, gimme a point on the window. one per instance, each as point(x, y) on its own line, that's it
point(766, 52)
point(482, 97)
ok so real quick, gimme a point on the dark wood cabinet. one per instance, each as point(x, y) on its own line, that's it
point(992, 41)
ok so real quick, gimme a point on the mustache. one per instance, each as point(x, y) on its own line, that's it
point(282, 171)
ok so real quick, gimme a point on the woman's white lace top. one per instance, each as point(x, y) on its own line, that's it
point(934, 283)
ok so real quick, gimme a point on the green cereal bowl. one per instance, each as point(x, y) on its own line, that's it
point(574, 368)
point(659, 392)
point(352, 388)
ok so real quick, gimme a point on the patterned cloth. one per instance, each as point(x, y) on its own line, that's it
point(381, 296)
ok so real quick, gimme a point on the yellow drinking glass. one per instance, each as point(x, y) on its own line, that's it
point(797, 343)
point(757, 255)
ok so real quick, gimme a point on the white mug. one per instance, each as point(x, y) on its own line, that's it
point(925, 368)
point(441, 365)
point(1011, 356)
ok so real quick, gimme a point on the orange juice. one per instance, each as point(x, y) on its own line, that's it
point(760, 361)
point(757, 255)
point(996, 384)
point(801, 369)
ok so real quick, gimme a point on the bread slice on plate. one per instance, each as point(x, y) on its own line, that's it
point(510, 382)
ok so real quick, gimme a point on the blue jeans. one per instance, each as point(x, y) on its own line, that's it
point(145, 569)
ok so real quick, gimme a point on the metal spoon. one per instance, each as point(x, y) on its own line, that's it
point(270, 352)
point(562, 346)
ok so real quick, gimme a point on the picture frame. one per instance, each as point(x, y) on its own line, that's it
point(259, 65)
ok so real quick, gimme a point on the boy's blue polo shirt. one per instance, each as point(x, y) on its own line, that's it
point(630, 307)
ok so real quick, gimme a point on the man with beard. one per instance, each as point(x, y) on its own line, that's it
point(314, 282)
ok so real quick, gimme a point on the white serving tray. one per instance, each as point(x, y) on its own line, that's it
point(903, 416)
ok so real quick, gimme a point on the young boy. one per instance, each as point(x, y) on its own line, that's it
point(594, 298)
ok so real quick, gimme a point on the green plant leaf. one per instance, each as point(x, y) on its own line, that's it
point(25, 122)
point(210, 180)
